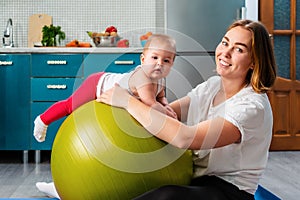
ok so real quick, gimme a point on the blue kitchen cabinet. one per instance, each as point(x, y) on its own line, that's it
point(31, 83)
point(54, 77)
point(14, 102)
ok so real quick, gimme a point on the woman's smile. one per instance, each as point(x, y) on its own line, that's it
point(224, 63)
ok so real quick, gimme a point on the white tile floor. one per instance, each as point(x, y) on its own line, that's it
point(18, 180)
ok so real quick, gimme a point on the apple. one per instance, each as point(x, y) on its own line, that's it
point(123, 43)
point(111, 29)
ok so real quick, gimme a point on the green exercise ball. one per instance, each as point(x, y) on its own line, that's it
point(101, 152)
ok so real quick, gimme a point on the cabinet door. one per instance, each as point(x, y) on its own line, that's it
point(14, 102)
point(119, 63)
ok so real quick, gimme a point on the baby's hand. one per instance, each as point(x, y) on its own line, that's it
point(171, 112)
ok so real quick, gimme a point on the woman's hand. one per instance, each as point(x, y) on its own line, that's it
point(115, 96)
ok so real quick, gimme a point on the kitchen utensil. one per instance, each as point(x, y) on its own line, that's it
point(35, 26)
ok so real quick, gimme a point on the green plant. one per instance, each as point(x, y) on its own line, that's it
point(51, 34)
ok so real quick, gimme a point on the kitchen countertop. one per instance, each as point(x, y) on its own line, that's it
point(21, 50)
point(28, 50)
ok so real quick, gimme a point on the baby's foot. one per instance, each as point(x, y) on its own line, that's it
point(48, 189)
point(39, 130)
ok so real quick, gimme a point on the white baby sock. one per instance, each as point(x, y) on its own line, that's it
point(48, 189)
point(40, 129)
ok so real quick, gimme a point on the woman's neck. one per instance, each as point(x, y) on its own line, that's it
point(229, 88)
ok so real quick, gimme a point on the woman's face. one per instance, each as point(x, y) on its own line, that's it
point(233, 54)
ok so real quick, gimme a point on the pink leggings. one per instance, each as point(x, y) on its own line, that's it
point(85, 93)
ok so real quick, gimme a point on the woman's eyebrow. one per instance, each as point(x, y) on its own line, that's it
point(237, 43)
point(242, 44)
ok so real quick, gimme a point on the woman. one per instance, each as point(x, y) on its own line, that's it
point(228, 119)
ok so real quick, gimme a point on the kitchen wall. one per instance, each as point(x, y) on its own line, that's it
point(131, 17)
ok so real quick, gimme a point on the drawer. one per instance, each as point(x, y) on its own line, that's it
point(53, 89)
point(118, 63)
point(57, 65)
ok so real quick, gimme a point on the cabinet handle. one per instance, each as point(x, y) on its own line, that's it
point(124, 62)
point(6, 63)
point(56, 62)
point(57, 87)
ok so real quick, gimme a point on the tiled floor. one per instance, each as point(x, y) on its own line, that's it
point(18, 180)
point(282, 175)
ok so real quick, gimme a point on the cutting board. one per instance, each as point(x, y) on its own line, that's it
point(35, 25)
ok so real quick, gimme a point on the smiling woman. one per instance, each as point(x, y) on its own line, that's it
point(228, 118)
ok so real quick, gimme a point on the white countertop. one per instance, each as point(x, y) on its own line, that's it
point(29, 50)
point(21, 50)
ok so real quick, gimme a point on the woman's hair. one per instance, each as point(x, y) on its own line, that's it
point(162, 42)
point(263, 75)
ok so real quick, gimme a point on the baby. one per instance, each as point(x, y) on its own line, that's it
point(146, 82)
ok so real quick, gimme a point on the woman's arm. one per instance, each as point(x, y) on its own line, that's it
point(205, 135)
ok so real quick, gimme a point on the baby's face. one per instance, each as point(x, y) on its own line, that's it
point(157, 63)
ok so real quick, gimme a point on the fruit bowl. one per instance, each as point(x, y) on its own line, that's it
point(106, 41)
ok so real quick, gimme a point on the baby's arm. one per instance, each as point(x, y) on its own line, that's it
point(147, 96)
point(143, 87)
point(161, 98)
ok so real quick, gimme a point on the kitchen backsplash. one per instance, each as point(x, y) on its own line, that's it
point(131, 17)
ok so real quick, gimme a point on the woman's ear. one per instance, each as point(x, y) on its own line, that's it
point(142, 58)
point(252, 65)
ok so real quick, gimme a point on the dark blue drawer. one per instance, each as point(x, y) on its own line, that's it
point(109, 62)
point(53, 89)
point(57, 65)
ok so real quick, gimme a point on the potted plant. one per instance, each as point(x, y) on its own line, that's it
point(51, 34)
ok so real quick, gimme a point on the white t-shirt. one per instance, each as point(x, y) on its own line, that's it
point(108, 80)
point(241, 164)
